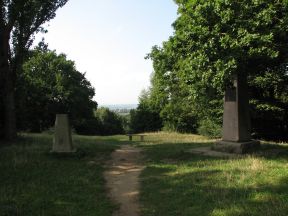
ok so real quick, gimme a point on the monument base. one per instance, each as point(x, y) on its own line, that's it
point(236, 147)
point(62, 142)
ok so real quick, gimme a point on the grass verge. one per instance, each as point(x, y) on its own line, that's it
point(36, 182)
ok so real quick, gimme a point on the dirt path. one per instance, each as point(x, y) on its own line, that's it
point(122, 179)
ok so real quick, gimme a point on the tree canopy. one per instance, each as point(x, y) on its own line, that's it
point(213, 40)
point(51, 84)
point(19, 21)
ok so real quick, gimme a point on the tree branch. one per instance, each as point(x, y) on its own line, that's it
point(14, 13)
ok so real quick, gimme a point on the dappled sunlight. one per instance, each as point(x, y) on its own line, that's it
point(263, 196)
point(234, 210)
point(201, 185)
point(174, 137)
point(188, 190)
point(37, 182)
point(256, 165)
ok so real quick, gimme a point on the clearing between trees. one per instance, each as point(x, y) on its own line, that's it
point(172, 181)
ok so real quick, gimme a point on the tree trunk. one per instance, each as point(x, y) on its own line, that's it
point(7, 81)
point(10, 132)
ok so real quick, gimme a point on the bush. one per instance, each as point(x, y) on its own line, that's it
point(104, 123)
point(209, 128)
point(88, 127)
point(179, 118)
point(270, 123)
point(144, 120)
point(110, 121)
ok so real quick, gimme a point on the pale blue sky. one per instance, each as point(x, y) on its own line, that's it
point(108, 39)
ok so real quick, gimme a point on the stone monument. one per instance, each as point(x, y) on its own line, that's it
point(236, 131)
point(62, 139)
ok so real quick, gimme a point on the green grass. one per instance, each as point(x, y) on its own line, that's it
point(174, 182)
point(36, 182)
point(177, 183)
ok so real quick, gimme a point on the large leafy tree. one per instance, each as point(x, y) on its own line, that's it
point(110, 122)
point(269, 103)
point(19, 21)
point(214, 40)
point(220, 38)
point(51, 84)
point(147, 115)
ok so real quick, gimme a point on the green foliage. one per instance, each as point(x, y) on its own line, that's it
point(104, 123)
point(269, 103)
point(19, 22)
point(209, 128)
point(125, 121)
point(215, 39)
point(193, 185)
point(146, 117)
point(212, 41)
point(220, 38)
point(179, 117)
point(50, 84)
point(91, 126)
point(34, 182)
point(111, 123)
point(144, 120)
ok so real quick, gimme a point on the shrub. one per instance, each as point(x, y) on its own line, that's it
point(110, 121)
point(88, 127)
point(209, 128)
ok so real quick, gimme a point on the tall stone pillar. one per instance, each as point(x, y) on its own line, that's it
point(236, 130)
point(62, 139)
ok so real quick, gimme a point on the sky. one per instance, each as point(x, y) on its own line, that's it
point(108, 40)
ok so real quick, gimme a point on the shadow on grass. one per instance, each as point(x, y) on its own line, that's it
point(273, 151)
point(195, 194)
point(173, 152)
point(34, 182)
point(179, 183)
point(87, 146)
point(178, 151)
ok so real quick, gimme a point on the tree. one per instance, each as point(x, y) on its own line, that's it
point(221, 39)
point(146, 117)
point(105, 122)
point(19, 21)
point(50, 84)
point(269, 103)
point(214, 41)
point(111, 123)
point(172, 95)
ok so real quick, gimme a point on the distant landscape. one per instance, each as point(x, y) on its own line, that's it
point(121, 109)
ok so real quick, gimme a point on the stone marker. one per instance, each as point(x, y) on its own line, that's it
point(236, 130)
point(62, 139)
